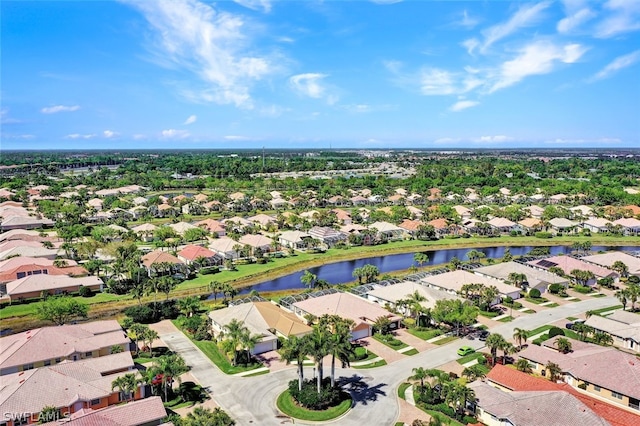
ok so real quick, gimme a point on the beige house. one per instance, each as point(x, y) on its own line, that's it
point(622, 326)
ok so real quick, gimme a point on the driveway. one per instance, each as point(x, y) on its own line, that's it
point(251, 400)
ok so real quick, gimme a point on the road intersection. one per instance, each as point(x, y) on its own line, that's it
point(251, 400)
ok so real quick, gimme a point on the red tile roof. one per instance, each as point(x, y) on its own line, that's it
point(519, 381)
point(192, 252)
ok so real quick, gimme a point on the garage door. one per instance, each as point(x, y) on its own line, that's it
point(359, 334)
point(265, 347)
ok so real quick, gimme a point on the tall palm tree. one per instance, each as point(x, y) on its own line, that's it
point(523, 365)
point(621, 268)
point(149, 336)
point(318, 349)
point(419, 373)
point(295, 349)
point(621, 295)
point(189, 305)
point(215, 287)
point(170, 367)
point(340, 345)
point(136, 332)
point(420, 258)
point(520, 335)
point(494, 342)
point(233, 334)
point(308, 279)
point(554, 371)
point(126, 384)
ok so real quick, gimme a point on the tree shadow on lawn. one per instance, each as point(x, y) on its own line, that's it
point(360, 391)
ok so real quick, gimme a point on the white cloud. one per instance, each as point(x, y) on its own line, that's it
point(534, 59)
point(59, 108)
point(175, 134)
point(617, 64)
point(471, 45)
point(573, 21)
point(435, 81)
point(460, 105)
point(237, 138)
point(213, 45)
point(311, 85)
point(5, 119)
point(564, 141)
point(191, 119)
point(493, 139)
point(264, 5)
point(624, 17)
point(80, 136)
point(467, 21)
point(526, 15)
point(109, 134)
point(139, 136)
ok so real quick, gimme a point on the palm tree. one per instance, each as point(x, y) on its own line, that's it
point(170, 367)
point(517, 279)
point(494, 342)
point(603, 339)
point(233, 335)
point(523, 365)
point(295, 349)
point(136, 332)
point(318, 349)
point(215, 287)
point(474, 255)
point(419, 373)
point(563, 344)
point(507, 349)
point(126, 385)
point(340, 345)
point(149, 336)
point(621, 295)
point(554, 371)
point(420, 258)
point(308, 279)
point(189, 305)
point(520, 335)
point(621, 268)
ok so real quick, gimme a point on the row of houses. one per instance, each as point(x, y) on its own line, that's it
point(71, 368)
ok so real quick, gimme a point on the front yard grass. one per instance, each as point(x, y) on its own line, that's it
point(402, 389)
point(506, 319)
point(537, 300)
point(390, 341)
point(372, 365)
point(425, 334)
point(288, 406)
point(468, 358)
point(411, 352)
point(445, 340)
point(608, 309)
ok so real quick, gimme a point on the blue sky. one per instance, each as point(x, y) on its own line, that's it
point(314, 74)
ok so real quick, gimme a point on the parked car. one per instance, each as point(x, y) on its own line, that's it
point(465, 350)
point(483, 335)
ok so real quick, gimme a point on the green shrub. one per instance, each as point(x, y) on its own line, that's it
point(534, 293)
point(555, 331)
point(84, 291)
point(583, 386)
point(543, 235)
point(582, 289)
point(555, 288)
point(309, 397)
point(409, 322)
point(360, 353)
point(209, 270)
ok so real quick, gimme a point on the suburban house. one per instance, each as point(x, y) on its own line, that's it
point(631, 225)
point(453, 281)
point(387, 230)
point(158, 258)
point(411, 226)
point(604, 372)
point(622, 326)
point(389, 295)
point(536, 278)
point(145, 231)
point(265, 319)
point(20, 267)
point(562, 225)
point(257, 242)
point(70, 387)
point(143, 412)
point(51, 345)
point(328, 236)
point(262, 220)
point(502, 225)
point(191, 252)
point(19, 248)
point(24, 235)
point(225, 247)
point(296, 240)
point(568, 264)
point(511, 380)
point(346, 305)
point(530, 225)
point(609, 258)
point(33, 286)
point(212, 226)
point(181, 227)
point(597, 224)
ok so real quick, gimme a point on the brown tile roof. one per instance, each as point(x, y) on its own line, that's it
point(135, 413)
point(411, 225)
point(518, 381)
point(192, 252)
point(44, 282)
point(158, 256)
point(59, 342)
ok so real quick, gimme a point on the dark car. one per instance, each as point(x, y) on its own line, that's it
point(483, 335)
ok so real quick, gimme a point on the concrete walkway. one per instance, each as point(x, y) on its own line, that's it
point(408, 395)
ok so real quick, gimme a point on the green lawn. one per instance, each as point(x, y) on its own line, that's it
point(411, 352)
point(402, 389)
point(572, 318)
point(372, 365)
point(29, 308)
point(425, 334)
point(288, 406)
point(551, 305)
point(608, 309)
point(468, 358)
point(506, 319)
point(445, 340)
point(537, 300)
point(392, 343)
point(359, 350)
point(489, 314)
point(538, 330)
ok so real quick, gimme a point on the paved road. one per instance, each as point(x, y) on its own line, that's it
point(251, 400)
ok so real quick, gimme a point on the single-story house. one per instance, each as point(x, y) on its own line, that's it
point(143, 412)
point(145, 231)
point(212, 226)
point(257, 242)
point(630, 225)
point(297, 240)
point(225, 247)
point(191, 252)
point(604, 372)
point(328, 236)
point(597, 224)
point(389, 295)
point(536, 278)
point(502, 225)
point(453, 281)
point(20, 267)
point(265, 319)
point(51, 345)
point(346, 305)
point(156, 258)
point(33, 286)
point(622, 326)
point(15, 248)
point(568, 264)
point(560, 224)
point(388, 230)
point(609, 258)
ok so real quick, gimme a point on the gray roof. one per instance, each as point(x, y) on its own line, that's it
point(535, 276)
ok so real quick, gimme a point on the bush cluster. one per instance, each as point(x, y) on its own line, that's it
point(309, 397)
point(555, 331)
point(152, 312)
point(543, 235)
point(85, 291)
point(534, 293)
point(582, 289)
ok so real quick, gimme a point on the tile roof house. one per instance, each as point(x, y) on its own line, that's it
point(388, 230)
point(143, 412)
point(631, 225)
point(156, 257)
point(568, 264)
point(191, 252)
point(212, 226)
point(609, 258)
point(389, 295)
point(68, 386)
point(502, 224)
point(51, 345)
point(265, 319)
point(536, 278)
point(530, 224)
point(25, 235)
point(560, 224)
point(605, 372)
point(20, 267)
point(411, 226)
point(509, 379)
point(16, 248)
point(294, 239)
point(224, 247)
point(346, 305)
point(33, 286)
point(597, 224)
point(622, 326)
point(326, 235)
point(454, 280)
point(257, 242)
point(24, 222)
